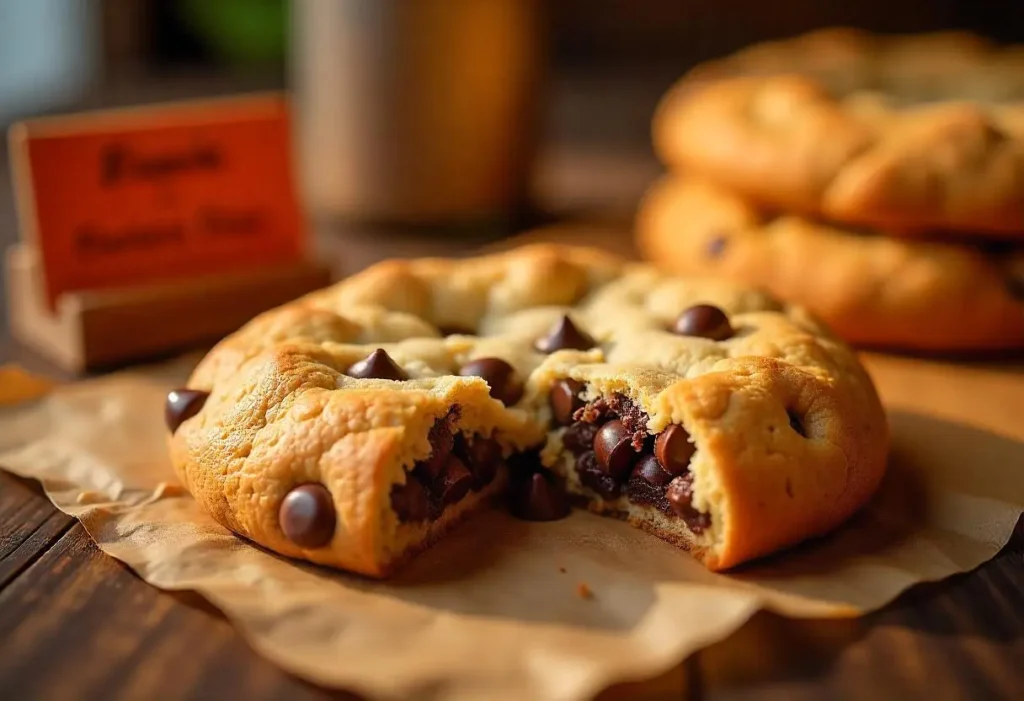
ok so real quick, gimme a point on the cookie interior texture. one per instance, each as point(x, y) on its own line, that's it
point(355, 426)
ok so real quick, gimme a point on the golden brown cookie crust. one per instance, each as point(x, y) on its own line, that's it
point(905, 133)
point(281, 411)
point(872, 290)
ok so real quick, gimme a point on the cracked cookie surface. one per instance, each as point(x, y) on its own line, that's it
point(354, 426)
point(907, 133)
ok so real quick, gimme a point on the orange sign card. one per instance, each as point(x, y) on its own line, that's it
point(135, 196)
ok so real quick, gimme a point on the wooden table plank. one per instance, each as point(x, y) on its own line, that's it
point(78, 624)
point(29, 525)
point(961, 638)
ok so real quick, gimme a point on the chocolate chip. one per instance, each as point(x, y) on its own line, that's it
point(307, 516)
point(716, 245)
point(410, 501)
point(182, 405)
point(592, 476)
point(613, 448)
point(651, 472)
point(377, 365)
point(454, 482)
point(579, 437)
point(482, 456)
point(564, 335)
point(565, 400)
point(795, 423)
point(705, 321)
point(526, 461)
point(674, 449)
point(539, 497)
point(505, 383)
point(1015, 285)
point(680, 496)
point(456, 331)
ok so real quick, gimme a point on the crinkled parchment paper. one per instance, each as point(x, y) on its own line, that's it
point(497, 610)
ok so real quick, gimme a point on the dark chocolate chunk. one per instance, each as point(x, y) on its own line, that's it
point(565, 400)
point(181, 405)
point(716, 245)
point(614, 450)
point(651, 472)
point(524, 462)
point(674, 449)
point(505, 383)
point(680, 495)
point(1015, 285)
point(483, 457)
point(410, 500)
point(454, 482)
point(705, 321)
point(456, 331)
point(579, 437)
point(795, 423)
point(564, 335)
point(592, 476)
point(539, 496)
point(377, 365)
point(307, 516)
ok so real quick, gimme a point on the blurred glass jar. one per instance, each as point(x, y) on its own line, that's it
point(421, 111)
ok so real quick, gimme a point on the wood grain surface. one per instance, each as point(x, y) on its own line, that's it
point(76, 624)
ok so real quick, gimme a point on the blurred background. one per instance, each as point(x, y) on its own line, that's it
point(600, 66)
point(496, 112)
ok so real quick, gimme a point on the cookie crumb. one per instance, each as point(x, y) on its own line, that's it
point(583, 591)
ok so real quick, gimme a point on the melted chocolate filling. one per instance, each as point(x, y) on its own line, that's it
point(673, 492)
point(457, 465)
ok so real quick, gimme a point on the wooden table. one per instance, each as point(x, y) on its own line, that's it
point(75, 623)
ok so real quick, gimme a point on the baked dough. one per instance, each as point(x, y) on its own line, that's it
point(743, 445)
point(872, 290)
point(906, 133)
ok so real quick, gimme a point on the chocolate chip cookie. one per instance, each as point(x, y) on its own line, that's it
point(872, 290)
point(906, 133)
point(354, 426)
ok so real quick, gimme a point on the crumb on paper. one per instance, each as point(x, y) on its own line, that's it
point(583, 591)
point(18, 385)
point(562, 570)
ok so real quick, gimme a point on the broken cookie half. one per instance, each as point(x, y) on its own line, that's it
point(355, 426)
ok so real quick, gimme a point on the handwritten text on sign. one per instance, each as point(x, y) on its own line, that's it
point(131, 197)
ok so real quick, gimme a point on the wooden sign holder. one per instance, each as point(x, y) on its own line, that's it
point(99, 329)
point(203, 185)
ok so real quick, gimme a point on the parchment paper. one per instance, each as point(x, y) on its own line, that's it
point(498, 610)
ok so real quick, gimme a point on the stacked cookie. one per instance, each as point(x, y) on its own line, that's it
point(877, 181)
